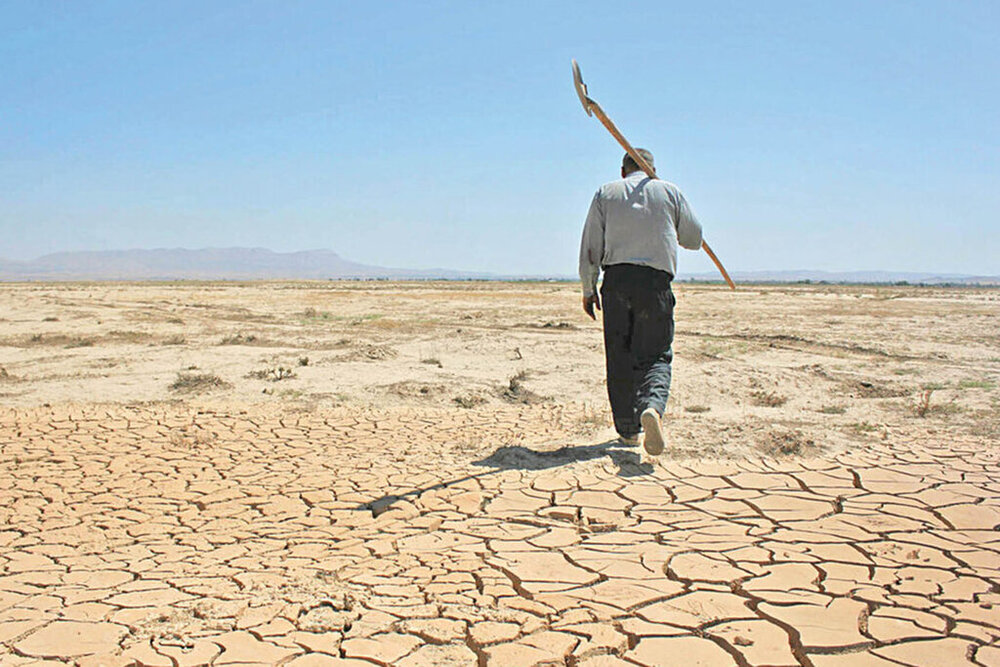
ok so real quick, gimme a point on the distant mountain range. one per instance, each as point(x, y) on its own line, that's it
point(263, 264)
point(209, 264)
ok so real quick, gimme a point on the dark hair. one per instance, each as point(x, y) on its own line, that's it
point(628, 164)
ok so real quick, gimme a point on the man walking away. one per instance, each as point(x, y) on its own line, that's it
point(632, 232)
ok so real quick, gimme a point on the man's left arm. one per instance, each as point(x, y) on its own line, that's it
point(688, 227)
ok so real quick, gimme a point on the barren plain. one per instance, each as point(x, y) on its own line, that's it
point(329, 473)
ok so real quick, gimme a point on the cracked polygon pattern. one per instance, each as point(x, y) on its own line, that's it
point(323, 539)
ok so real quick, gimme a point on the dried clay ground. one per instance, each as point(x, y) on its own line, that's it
point(424, 474)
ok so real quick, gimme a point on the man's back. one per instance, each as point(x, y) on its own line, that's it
point(636, 220)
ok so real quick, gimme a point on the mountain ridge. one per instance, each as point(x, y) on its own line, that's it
point(234, 263)
point(239, 263)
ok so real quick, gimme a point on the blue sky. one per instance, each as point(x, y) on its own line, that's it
point(824, 135)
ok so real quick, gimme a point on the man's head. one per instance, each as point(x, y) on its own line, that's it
point(629, 165)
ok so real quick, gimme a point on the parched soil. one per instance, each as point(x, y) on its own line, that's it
point(425, 474)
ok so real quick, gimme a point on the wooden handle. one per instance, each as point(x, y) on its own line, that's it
point(718, 264)
point(646, 167)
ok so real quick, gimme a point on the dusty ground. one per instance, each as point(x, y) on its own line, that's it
point(422, 474)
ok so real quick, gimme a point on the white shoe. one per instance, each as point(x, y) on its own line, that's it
point(653, 442)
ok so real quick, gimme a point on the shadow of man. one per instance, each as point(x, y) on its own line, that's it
point(516, 457)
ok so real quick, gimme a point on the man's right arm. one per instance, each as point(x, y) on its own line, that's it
point(592, 247)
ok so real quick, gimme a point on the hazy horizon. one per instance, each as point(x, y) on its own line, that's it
point(449, 135)
point(244, 262)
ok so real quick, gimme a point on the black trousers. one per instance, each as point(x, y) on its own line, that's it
point(638, 307)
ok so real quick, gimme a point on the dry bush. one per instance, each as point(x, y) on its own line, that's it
point(410, 389)
point(767, 399)
point(190, 383)
point(272, 374)
point(469, 400)
point(593, 419)
point(786, 443)
point(923, 408)
point(975, 384)
point(432, 361)
point(924, 403)
point(239, 339)
point(379, 352)
point(833, 409)
point(696, 409)
point(516, 392)
point(129, 336)
point(174, 340)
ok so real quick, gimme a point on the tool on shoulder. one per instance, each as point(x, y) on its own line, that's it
point(593, 109)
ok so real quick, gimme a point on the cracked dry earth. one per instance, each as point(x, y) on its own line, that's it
point(405, 533)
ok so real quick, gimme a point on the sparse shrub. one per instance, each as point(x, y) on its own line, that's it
point(174, 340)
point(303, 361)
point(833, 409)
point(431, 361)
point(469, 401)
point(516, 392)
point(129, 336)
point(924, 408)
point(50, 319)
point(864, 427)
point(924, 403)
point(768, 399)
point(696, 409)
point(80, 342)
point(272, 374)
point(378, 352)
point(239, 339)
point(592, 419)
point(787, 443)
point(190, 383)
point(975, 384)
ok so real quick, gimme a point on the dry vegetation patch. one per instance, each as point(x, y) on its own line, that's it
point(516, 392)
point(188, 382)
point(767, 399)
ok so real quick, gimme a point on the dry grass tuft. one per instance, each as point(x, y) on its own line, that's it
point(239, 339)
point(469, 401)
point(924, 403)
point(190, 383)
point(129, 336)
point(516, 392)
point(696, 409)
point(767, 399)
point(786, 443)
point(275, 374)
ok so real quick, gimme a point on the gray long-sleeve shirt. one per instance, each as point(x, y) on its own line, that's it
point(636, 220)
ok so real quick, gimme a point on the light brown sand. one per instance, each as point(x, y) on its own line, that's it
point(831, 496)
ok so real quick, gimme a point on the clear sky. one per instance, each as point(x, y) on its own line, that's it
point(824, 135)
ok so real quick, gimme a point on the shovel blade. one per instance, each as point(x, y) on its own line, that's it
point(581, 89)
